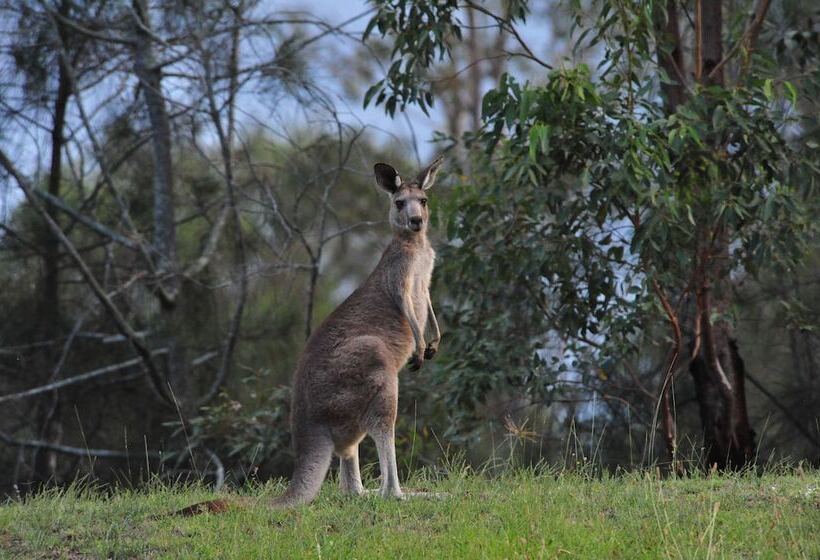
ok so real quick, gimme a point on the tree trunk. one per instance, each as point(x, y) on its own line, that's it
point(150, 77)
point(670, 59)
point(728, 439)
point(670, 55)
point(171, 326)
point(716, 367)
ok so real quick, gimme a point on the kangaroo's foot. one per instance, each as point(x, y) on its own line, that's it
point(391, 492)
point(353, 490)
point(382, 493)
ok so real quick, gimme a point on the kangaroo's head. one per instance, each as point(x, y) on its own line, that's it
point(408, 199)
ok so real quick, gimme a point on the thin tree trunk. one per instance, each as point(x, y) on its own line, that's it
point(45, 462)
point(670, 55)
point(475, 73)
point(670, 59)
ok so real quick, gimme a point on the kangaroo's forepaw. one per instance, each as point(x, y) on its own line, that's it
point(430, 352)
point(416, 362)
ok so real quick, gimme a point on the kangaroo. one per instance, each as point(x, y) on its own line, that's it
point(346, 383)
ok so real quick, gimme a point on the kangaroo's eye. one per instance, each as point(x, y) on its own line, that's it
point(399, 204)
point(423, 201)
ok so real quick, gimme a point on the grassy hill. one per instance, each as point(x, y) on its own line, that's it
point(519, 515)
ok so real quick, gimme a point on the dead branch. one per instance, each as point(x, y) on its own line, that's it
point(668, 418)
point(77, 451)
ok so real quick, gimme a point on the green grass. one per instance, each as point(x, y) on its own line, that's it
point(521, 515)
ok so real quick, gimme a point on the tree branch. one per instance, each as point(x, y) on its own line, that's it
point(78, 451)
point(100, 372)
point(122, 325)
point(97, 227)
point(664, 402)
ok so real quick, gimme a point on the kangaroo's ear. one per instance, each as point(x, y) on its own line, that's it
point(427, 177)
point(387, 177)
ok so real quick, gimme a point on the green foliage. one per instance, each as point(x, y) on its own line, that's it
point(422, 34)
point(245, 435)
point(434, 27)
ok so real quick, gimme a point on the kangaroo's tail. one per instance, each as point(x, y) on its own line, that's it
point(313, 455)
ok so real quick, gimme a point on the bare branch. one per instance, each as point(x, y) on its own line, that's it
point(90, 33)
point(78, 451)
point(81, 378)
point(97, 227)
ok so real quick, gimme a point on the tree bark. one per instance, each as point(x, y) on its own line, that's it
point(670, 55)
point(716, 367)
point(670, 59)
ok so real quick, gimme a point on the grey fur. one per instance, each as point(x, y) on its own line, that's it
point(346, 384)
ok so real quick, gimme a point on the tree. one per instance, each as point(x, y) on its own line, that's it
point(192, 207)
point(608, 202)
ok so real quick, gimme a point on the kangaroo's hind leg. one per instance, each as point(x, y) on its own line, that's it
point(380, 421)
point(350, 478)
point(386, 448)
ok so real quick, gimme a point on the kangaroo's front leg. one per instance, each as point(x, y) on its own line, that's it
point(409, 312)
point(432, 346)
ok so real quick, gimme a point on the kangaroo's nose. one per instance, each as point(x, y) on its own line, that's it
point(415, 220)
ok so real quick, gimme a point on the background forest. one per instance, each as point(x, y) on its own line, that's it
point(629, 261)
